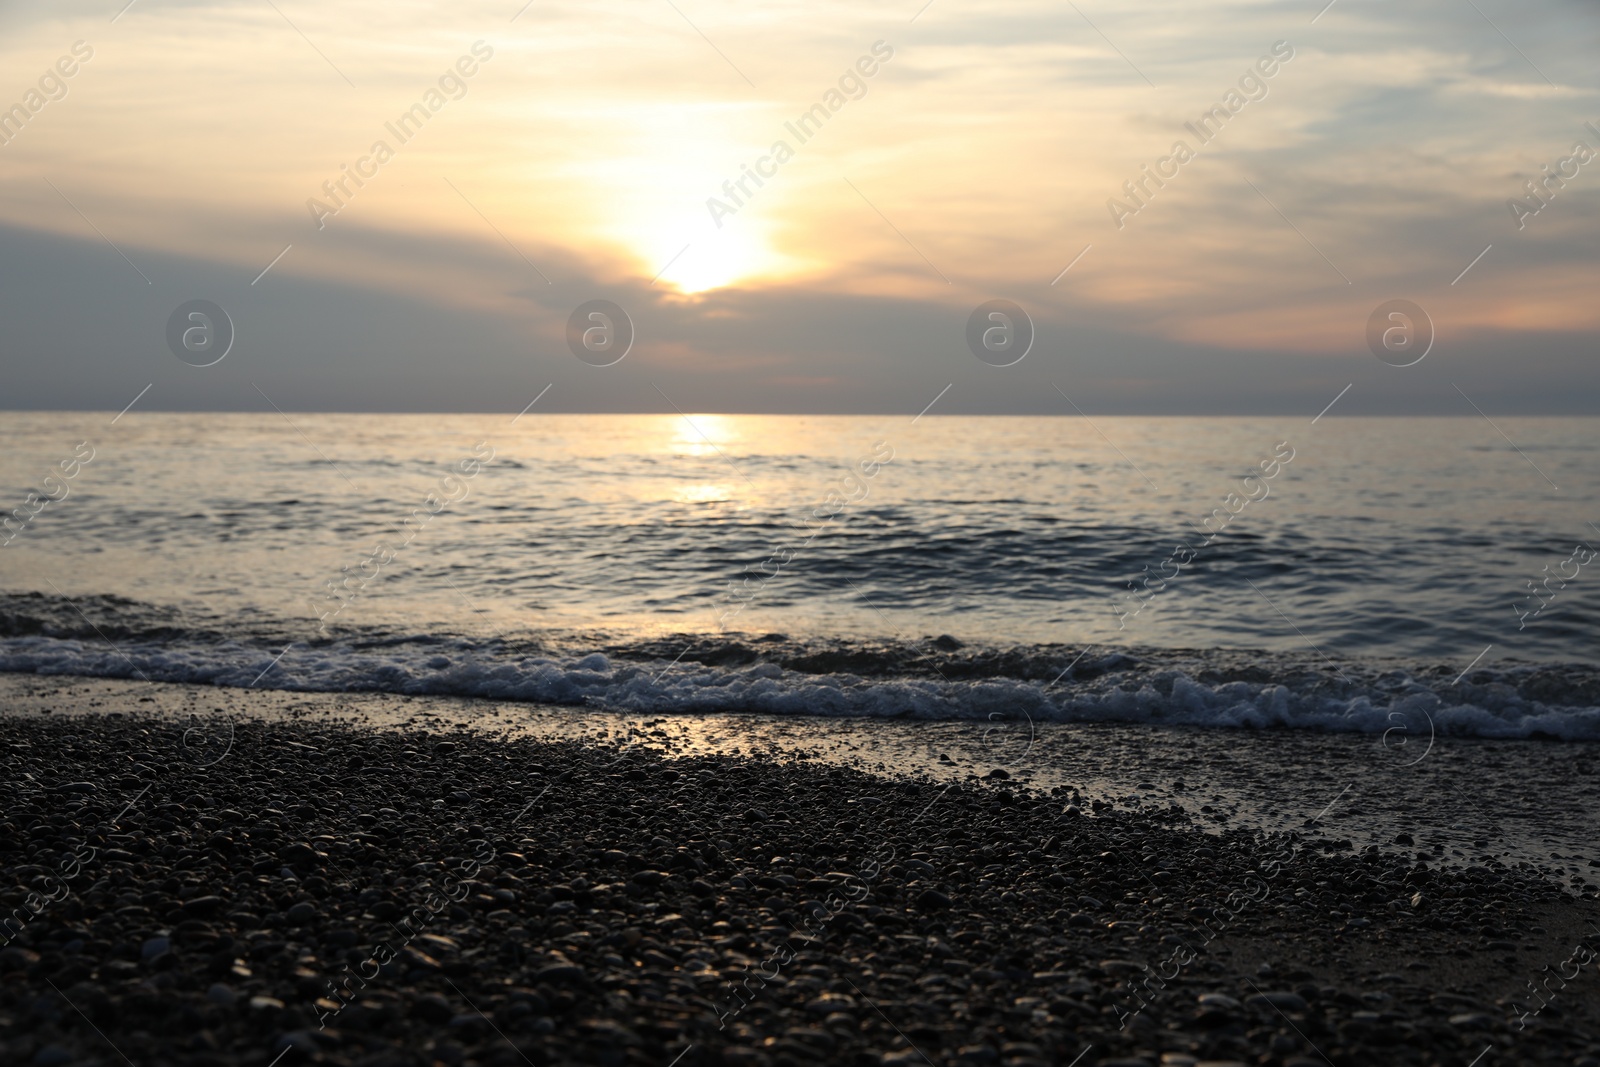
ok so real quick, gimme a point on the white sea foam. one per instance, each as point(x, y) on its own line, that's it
point(1116, 688)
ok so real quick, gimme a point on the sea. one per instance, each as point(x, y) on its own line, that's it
point(1342, 574)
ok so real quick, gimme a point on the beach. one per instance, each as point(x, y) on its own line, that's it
point(613, 752)
point(227, 876)
point(738, 535)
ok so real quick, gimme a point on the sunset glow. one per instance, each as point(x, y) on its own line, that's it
point(1225, 182)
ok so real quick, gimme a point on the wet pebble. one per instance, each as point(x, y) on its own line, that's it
point(639, 893)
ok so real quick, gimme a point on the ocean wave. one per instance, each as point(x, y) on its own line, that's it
point(932, 679)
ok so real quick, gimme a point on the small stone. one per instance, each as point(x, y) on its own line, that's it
point(302, 1041)
point(827, 1003)
point(221, 995)
point(153, 948)
point(16, 958)
point(438, 943)
point(1120, 968)
point(302, 913)
point(560, 973)
point(299, 853)
point(1218, 1002)
point(201, 907)
point(932, 900)
point(417, 960)
point(1281, 999)
point(433, 1008)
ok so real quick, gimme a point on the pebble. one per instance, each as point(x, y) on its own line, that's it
point(1121, 968)
point(560, 973)
point(299, 854)
point(828, 1002)
point(302, 1041)
point(201, 907)
point(13, 958)
point(607, 921)
point(1282, 1000)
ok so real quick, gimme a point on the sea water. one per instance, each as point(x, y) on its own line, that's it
point(1345, 574)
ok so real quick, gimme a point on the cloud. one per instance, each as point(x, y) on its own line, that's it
point(319, 343)
point(978, 164)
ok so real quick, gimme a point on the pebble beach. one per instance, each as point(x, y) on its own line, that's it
point(304, 889)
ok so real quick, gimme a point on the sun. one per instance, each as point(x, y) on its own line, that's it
point(652, 195)
point(718, 260)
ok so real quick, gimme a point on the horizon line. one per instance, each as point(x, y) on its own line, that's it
point(1282, 413)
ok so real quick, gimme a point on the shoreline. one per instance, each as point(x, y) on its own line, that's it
point(1475, 802)
point(613, 902)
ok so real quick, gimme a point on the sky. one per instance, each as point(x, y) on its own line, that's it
point(562, 152)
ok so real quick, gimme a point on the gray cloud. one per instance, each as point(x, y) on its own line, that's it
point(84, 331)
